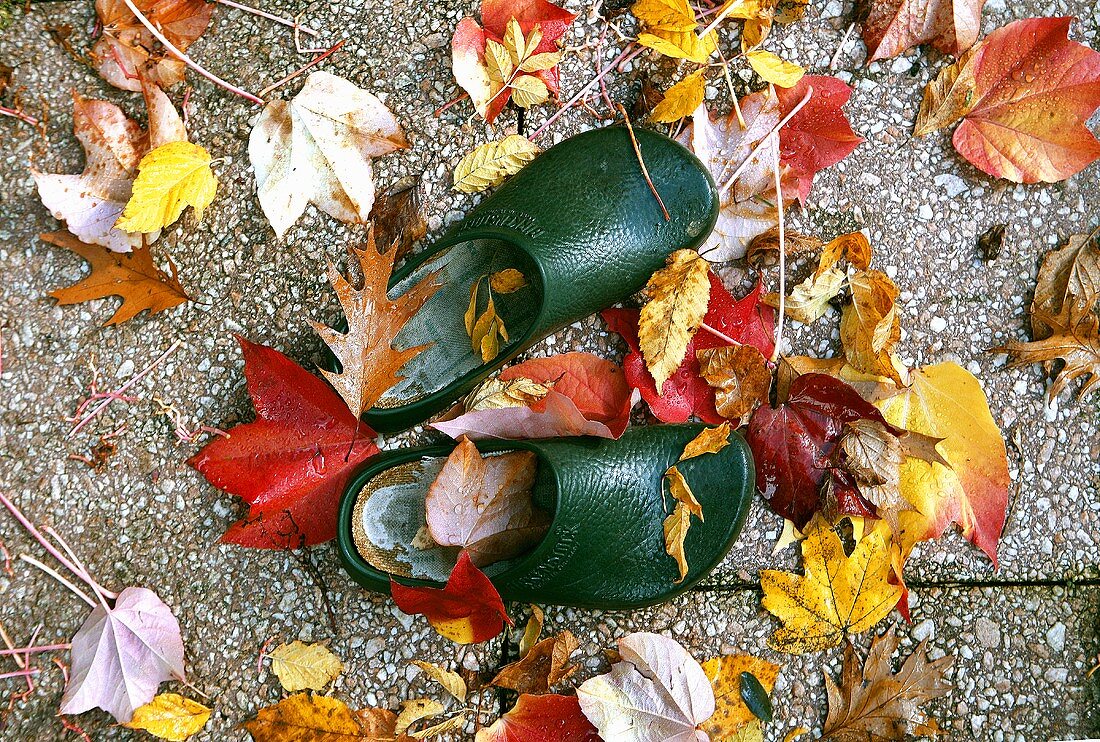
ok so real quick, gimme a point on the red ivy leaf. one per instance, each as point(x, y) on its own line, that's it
point(467, 610)
point(792, 443)
point(291, 464)
point(685, 394)
point(545, 718)
point(819, 135)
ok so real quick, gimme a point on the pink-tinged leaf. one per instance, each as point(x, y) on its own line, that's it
point(685, 394)
point(1034, 93)
point(893, 26)
point(819, 135)
point(121, 656)
point(792, 443)
point(545, 718)
point(468, 63)
point(291, 464)
point(553, 416)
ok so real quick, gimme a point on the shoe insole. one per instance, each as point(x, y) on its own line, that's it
point(440, 322)
point(389, 525)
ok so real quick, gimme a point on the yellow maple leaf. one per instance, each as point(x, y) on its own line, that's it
point(678, 296)
point(730, 712)
point(301, 666)
point(838, 594)
point(775, 69)
point(681, 99)
point(170, 716)
point(170, 178)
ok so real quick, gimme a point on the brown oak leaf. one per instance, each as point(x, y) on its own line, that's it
point(1069, 275)
point(1074, 340)
point(545, 665)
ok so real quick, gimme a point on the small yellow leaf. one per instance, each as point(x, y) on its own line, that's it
point(681, 492)
point(870, 326)
point(451, 681)
point(836, 596)
point(795, 733)
point(678, 296)
point(533, 631)
point(680, 45)
point(415, 709)
point(529, 90)
point(681, 99)
point(455, 724)
point(774, 69)
point(710, 440)
point(676, 528)
point(540, 62)
point(810, 299)
point(170, 716)
point(490, 163)
point(498, 62)
point(853, 247)
point(507, 281)
point(494, 394)
point(301, 666)
point(170, 178)
point(731, 714)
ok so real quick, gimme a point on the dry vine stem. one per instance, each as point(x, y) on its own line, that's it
point(270, 16)
point(580, 94)
point(316, 60)
point(641, 162)
point(764, 140)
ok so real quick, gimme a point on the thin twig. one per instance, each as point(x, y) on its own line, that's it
point(19, 651)
point(316, 60)
point(125, 387)
point(457, 99)
point(641, 161)
point(730, 7)
point(17, 114)
point(840, 48)
point(298, 37)
point(782, 255)
point(719, 334)
point(729, 84)
point(269, 16)
point(60, 578)
point(580, 94)
point(19, 673)
point(760, 145)
point(84, 574)
point(187, 60)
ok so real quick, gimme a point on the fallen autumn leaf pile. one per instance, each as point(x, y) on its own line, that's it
point(864, 455)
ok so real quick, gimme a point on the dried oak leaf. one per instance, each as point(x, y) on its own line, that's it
point(483, 504)
point(1068, 276)
point(744, 320)
point(544, 666)
point(132, 276)
point(1074, 340)
point(542, 718)
point(126, 50)
point(892, 26)
point(879, 704)
point(678, 296)
point(1024, 96)
point(836, 596)
point(869, 326)
point(292, 463)
point(740, 377)
point(398, 217)
point(368, 361)
point(467, 610)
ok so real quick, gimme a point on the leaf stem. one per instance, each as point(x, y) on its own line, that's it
point(269, 16)
point(17, 114)
point(641, 162)
point(187, 60)
point(125, 387)
point(719, 334)
point(60, 578)
point(775, 131)
point(316, 60)
point(20, 651)
point(580, 93)
point(19, 673)
point(782, 253)
point(85, 574)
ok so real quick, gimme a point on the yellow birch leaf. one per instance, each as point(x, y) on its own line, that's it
point(676, 529)
point(301, 666)
point(730, 712)
point(681, 492)
point(678, 296)
point(668, 15)
point(170, 716)
point(415, 709)
point(710, 440)
point(680, 44)
point(528, 90)
point(490, 163)
point(451, 681)
point(836, 596)
point(774, 69)
point(681, 99)
point(170, 178)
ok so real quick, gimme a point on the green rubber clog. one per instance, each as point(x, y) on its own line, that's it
point(607, 503)
point(583, 227)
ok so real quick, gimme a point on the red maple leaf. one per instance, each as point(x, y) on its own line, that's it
point(292, 463)
point(745, 320)
point(545, 718)
point(819, 135)
point(467, 610)
point(792, 443)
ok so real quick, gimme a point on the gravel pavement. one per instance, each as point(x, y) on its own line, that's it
point(1024, 635)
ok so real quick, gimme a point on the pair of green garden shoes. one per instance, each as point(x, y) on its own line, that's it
point(583, 227)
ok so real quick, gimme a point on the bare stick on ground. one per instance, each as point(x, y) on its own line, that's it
point(641, 161)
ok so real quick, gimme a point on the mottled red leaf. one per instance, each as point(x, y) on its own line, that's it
point(545, 718)
point(291, 464)
point(792, 443)
point(467, 610)
point(819, 135)
point(745, 320)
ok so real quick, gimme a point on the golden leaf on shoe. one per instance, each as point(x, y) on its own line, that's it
point(710, 440)
point(369, 362)
point(489, 164)
point(876, 702)
point(677, 524)
point(301, 666)
point(678, 296)
point(507, 281)
point(836, 596)
point(740, 377)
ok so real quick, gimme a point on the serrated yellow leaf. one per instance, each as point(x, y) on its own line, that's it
point(774, 69)
point(681, 99)
point(836, 596)
point(680, 44)
point(529, 90)
point(301, 666)
point(170, 178)
point(170, 716)
point(540, 62)
point(678, 296)
point(489, 164)
point(667, 15)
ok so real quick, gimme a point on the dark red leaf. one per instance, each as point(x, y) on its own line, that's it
point(545, 718)
point(792, 444)
point(745, 320)
point(291, 464)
